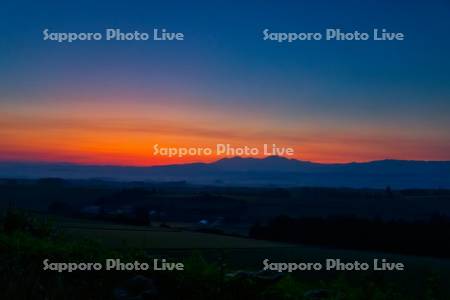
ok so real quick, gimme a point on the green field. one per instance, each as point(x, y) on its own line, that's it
point(238, 251)
point(213, 263)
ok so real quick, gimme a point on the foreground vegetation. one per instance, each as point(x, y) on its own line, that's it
point(425, 237)
point(26, 242)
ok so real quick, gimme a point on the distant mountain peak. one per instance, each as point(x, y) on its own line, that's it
point(269, 163)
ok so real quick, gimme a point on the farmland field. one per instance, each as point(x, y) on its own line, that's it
point(240, 252)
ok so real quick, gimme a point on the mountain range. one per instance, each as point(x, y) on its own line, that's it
point(269, 171)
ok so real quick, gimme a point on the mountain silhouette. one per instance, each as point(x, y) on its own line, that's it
point(271, 163)
point(273, 171)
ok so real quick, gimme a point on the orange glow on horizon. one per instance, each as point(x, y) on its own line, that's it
point(119, 134)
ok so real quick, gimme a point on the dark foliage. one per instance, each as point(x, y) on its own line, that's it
point(430, 237)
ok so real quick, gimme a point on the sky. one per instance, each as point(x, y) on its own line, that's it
point(109, 102)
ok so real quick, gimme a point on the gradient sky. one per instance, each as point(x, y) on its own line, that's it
point(106, 102)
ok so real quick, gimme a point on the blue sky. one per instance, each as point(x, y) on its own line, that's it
point(395, 89)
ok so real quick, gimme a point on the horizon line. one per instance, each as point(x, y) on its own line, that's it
point(207, 163)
